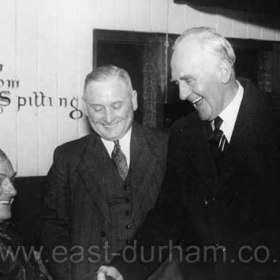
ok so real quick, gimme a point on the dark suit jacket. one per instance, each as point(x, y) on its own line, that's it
point(76, 211)
point(236, 213)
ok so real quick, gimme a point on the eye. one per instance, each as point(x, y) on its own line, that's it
point(188, 81)
point(117, 105)
point(97, 108)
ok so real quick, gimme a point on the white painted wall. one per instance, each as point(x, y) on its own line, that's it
point(46, 45)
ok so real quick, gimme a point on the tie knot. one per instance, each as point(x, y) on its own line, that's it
point(217, 138)
point(117, 143)
point(218, 122)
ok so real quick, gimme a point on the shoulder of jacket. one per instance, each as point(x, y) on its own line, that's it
point(185, 122)
point(155, 134)
point(73, 147)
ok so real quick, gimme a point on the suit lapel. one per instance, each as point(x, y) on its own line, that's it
point(249, 126)
point(197, 151)
point(143, 163)
point(95, 173)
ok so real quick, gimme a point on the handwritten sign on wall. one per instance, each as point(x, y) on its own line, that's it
point(34, 99)
point(34, 122)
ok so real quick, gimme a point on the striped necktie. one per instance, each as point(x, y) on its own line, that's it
point(119, 159)
point(218, 138)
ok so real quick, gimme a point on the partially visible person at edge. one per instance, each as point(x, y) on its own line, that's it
point(220, 199)
point(101, 187)
point(15, 262)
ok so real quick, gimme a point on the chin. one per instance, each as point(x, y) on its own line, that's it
point(113, 135)
point(5, 213)
point(5, 217)
point(203, 118)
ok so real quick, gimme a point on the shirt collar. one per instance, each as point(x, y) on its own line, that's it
point(229, 114)
point(124, 143)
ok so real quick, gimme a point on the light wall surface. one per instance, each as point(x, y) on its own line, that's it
point(46, 51)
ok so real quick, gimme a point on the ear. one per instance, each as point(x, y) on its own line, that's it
point(224, 71)
point(134, 100)
point(85, 109)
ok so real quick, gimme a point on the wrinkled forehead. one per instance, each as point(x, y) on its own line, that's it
point(184, 58)
point(108, 90)
point(109, 82)
point(189, 57)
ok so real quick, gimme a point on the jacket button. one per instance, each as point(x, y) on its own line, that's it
point(129, 226)
point(126, 241)
point(102, 233)
point(126, 187)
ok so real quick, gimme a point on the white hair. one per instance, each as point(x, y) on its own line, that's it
point(211, 41)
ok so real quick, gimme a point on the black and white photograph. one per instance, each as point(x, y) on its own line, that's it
point(140, 140)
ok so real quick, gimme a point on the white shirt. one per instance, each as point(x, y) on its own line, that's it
point(124, 144)
point(229, 114)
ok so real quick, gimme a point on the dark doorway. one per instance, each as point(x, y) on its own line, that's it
point(128, 57)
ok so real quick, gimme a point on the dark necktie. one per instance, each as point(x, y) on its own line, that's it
point(119, 160)
point(218, 139)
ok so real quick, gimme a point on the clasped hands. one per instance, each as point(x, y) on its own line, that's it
point(111, 271)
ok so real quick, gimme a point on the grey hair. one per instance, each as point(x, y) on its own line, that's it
point(104, 73)
point(212, 42)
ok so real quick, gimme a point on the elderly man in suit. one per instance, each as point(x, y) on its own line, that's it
point(220, 196)
point(101, 187)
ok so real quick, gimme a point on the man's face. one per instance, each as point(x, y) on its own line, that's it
point(196, 73)
point(7, 190)
point(110, 107)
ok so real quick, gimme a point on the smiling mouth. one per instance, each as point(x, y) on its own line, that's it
point(6, 202)
point(197, 100)
point(110, 125)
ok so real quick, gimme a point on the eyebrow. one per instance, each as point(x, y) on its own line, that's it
point(186, 77)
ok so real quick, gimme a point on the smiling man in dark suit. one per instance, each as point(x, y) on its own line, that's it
point(220, 196)
point(101, 187)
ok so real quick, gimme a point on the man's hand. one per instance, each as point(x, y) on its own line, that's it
point(104, 271)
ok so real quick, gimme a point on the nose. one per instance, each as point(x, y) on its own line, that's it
point(184, 91)
point(108, 116)
point(10, 189)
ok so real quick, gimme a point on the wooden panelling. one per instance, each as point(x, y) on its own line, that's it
point(159, 11)
point(47, 47)
point(106, 13)
point(47, 83)
point(239, 29)
point(224, 25)
point(253, 31)
point(142, 15)
point(8, 71)
point(199, 18)
point(176, 18)
point(124, 15)
point(268, 34)
point(27, 69)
